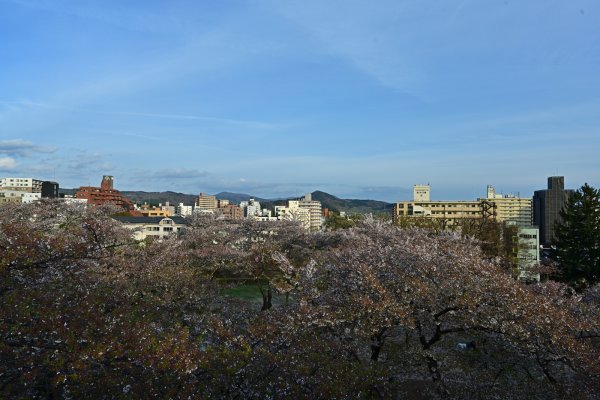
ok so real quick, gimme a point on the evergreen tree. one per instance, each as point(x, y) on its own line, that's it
point(578, 236)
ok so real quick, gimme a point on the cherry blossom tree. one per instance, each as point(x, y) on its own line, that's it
point(375, 311)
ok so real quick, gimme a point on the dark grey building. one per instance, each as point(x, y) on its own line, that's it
point(50, 190)
point(547, 205)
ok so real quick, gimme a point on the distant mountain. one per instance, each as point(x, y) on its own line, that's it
point(238, 197)
point(154, 198)
point(327, 200)
point(351, 205)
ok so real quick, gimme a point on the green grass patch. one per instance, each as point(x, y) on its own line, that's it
point(244, 292)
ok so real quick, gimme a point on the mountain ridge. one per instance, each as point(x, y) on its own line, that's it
point(329, 201)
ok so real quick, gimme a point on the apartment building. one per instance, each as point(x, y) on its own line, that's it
point(29, 185)
point(231, 211)
point(105, 194)
point(205, 202)
point(251, 208)
point(510, 208)
point(305, 210)
point(184, 211)
point(26, 190)
point(450, 212)
point(294, 213)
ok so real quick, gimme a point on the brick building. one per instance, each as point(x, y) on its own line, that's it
point(231, 211)
point(105, 194)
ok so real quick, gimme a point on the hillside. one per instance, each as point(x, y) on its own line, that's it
point(351, 205)
point(236, 198)
point(327, 200)
point(173, 198)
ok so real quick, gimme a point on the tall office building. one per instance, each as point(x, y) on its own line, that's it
point(547, 204)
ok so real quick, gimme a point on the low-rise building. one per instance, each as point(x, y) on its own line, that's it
point(153, 227)
point(10, 196)
point(231, 211)
point(160, 211)
point(18, 196)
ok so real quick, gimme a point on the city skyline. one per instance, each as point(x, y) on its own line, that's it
point(282, 98)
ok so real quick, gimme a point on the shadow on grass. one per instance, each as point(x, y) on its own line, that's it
point(251, 294)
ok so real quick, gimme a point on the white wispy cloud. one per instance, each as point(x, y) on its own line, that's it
point(27, 104)
point(7, 163)
point(22, 148)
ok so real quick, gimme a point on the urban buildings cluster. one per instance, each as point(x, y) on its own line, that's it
point(534, 218)
point(26, 190)
point(165, 219)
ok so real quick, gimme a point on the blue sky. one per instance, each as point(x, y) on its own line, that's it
point(361, 99)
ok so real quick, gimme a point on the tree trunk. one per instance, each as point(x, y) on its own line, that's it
point(379, 340)
point(267, 298)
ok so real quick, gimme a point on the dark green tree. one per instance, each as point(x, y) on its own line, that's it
point(577, 243)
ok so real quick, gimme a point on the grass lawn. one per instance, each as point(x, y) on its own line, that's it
point(244, 292)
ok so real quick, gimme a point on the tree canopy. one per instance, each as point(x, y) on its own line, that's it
point(577, 244)
point(375, 312)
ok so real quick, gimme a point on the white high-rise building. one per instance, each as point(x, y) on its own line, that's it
point(305, 210)
point(183, 210)
point(251, 208)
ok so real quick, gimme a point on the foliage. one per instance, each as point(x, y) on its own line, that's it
point(86, 312)
point(335, 221)
point(496, 239)
point(578, 237)
point(436, 225)
point(336, 204)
